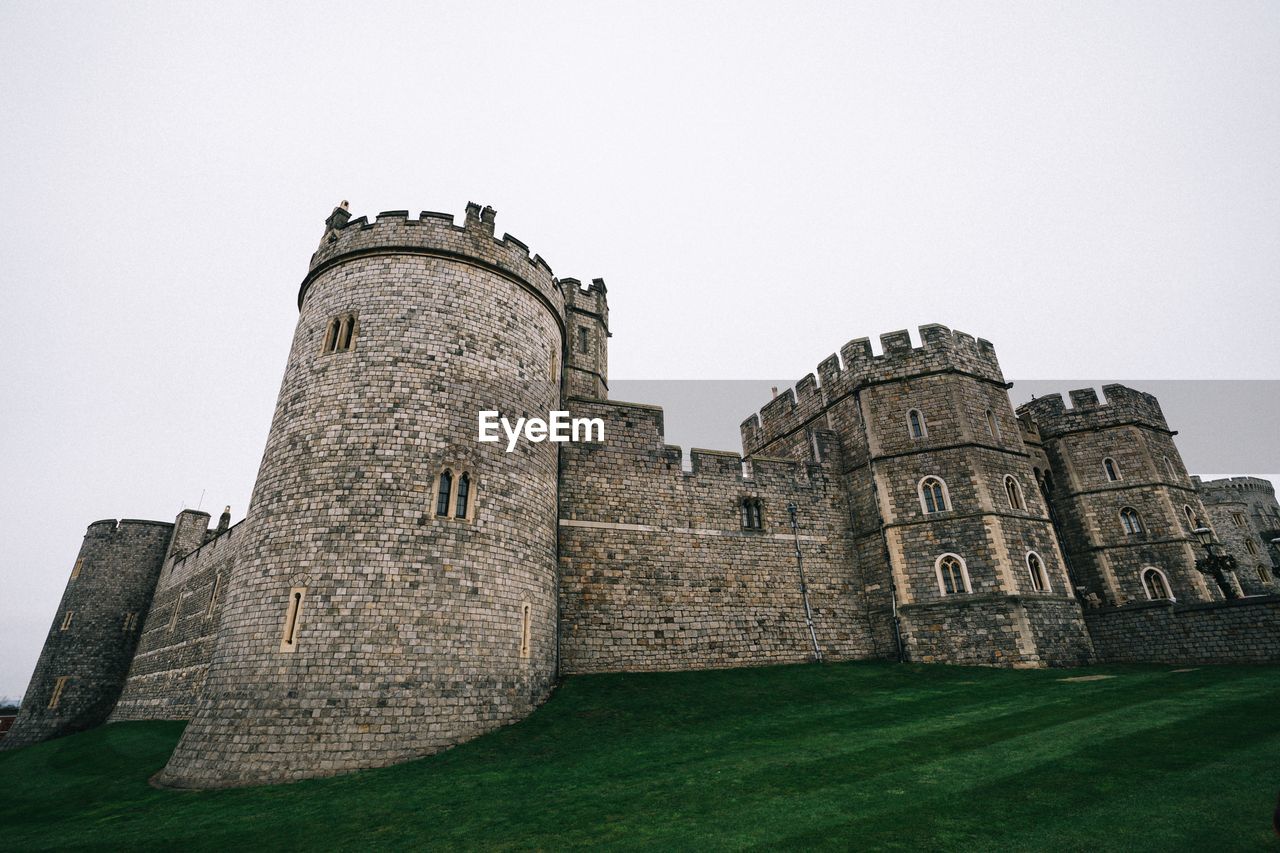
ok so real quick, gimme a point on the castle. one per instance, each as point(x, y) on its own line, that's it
point(398, 587)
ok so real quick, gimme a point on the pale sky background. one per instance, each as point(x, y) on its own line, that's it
point(1093, 187)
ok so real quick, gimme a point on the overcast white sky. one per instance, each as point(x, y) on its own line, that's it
point(1093, 187)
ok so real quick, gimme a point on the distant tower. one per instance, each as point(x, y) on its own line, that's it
point(87, 653)
point(951, 532)
point(397, 592)
point(1121, 494)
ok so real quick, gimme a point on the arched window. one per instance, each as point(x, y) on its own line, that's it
point(347, 333)
point(1109, 465)
point(331, 336)
point(1014, 493)
point(1253, 548)
point(1156, 585)
point(933, 496)
point(1039, 577)
point(752, 517)
point(444, 493)
point(1130, 521)
point(953, 575)
point(584, 340)
point(1263, 574)
point(464, 491)
point(992, 426)
point(1191, 518)
point(915, 424)
point(1173, 472)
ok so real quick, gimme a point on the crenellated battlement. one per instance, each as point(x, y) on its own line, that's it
point(1123, 405)
point(941, 350)
point(590, 298)
point(637, 428)
point(431, 233)
point(1235, 484)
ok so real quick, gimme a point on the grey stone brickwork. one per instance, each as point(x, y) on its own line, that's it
point(937, 411)
point(1146, 475)
point(95, 631)
point(658, 570)
point(356, 618)
point(410, 635)
point(1245, 630)
point(1246, 518)
point(181, 629)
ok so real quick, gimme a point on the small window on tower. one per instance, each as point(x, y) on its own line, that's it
point(66, 620)
point(526, 628)
point(752, 517)
point(1014, 492)
point(75, 570)
point(915, 424)
point(464, 493)
point(130, 622)
point(1130, 521)
point(444, 493)
point(584, 340)
point(992, 426)
point(1109, 466)
point(340, 334)
point(292, 615)
point(59, 687)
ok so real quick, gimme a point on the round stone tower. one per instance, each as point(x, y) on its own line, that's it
point(95, 631)
point(398, 592)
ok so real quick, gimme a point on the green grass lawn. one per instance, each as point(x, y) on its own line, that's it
point(855, 755)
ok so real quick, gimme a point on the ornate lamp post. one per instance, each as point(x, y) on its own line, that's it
point(1215, 562)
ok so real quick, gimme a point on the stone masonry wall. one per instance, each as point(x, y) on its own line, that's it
point(658, 572)
point(180, 632)
point(1244, 630)
point(362, 627)
point(95, 631)
point(994, 519)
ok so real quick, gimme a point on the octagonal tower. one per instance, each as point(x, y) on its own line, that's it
point(399, 592)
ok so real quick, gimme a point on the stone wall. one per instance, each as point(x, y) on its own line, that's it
point(1130, 430)
point(939, 411)
point(1240, 631)
point(95, 630)
point(180, 631)
point(362, 627)
point(658, 571)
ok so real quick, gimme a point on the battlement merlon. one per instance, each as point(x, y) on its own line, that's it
point(941, 350)
point(592, 299)
point(394, 232)
point(1123, 405)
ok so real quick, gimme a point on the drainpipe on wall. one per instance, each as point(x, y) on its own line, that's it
point(804, 587)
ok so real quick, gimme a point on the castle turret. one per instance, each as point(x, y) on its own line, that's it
point(90, 645)
point(396, 594)
point(587, 315)
point(953, 539)
point(1121, 493)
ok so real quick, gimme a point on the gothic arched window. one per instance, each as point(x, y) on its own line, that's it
point(1131, 522)
point(933, 495)
point(444, 493)
point(464, 492)
point(752, 517)
point(953, 575)
point(1109, 466)
point(1039, 577)
point(1014, 493)
point(915, 424)
point(1155, 584)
